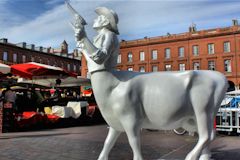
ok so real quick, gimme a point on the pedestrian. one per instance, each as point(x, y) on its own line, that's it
point(9, 98)
point(9, 108)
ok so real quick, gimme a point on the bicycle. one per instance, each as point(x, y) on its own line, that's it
point(182, 131)
point(179, 131)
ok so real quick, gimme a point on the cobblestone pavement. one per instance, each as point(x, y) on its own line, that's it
point(85, 143)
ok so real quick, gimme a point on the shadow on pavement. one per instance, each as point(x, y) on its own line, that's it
point(220, 154)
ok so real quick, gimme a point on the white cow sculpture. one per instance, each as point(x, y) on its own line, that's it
point(130, 101)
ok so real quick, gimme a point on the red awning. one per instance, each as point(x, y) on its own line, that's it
point(37, 70)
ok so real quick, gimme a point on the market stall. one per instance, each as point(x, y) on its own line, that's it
point(228, 116)
point(47, 96)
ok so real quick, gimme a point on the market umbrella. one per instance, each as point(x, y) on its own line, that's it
point(4, 69)
point(33, 70)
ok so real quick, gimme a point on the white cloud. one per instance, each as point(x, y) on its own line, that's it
point(52, 2)
point(7, 16)
point(137, 19)
point(49, 29)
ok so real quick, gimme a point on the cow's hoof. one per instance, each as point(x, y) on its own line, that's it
point(102, 158)
point(205, 157)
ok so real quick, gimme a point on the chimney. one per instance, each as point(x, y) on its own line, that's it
point(4, 40)
point(31, 46)
point(40, 48)
point(22, 44)
point(77, 54)
point(193, 28)
point(235, 22)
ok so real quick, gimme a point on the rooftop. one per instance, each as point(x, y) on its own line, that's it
point(192, 34)
point(46, 50)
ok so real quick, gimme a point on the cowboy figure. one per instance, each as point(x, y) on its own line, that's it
point(105, 47)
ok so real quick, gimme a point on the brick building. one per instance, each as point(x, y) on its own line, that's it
point(213, 49)
point(23, 52)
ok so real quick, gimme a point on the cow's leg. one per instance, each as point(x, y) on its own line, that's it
point(132, 129)
point(204, 133)
point(206, 153)
point(109, 143)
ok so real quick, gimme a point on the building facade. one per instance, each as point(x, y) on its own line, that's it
point(23, 52)
point(214, 49)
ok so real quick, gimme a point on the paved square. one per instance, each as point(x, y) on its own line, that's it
point(85, 143)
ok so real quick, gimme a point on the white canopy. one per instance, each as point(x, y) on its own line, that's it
point(4, 68)
point(50, 82)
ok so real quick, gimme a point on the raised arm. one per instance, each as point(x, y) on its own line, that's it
point(80, 34)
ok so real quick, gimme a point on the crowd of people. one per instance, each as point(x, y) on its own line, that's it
point(34, 99)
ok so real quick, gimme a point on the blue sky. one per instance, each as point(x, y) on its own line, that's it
point(46, 22)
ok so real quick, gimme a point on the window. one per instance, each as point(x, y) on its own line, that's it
point(226, 47)
point(5, 56)
point(196, 66)
point(211, 65)
point(181, 51)
point(168, 67)
point(195, 50)
point(142, 56)
point(23, 58)
point(154, 54)
point(181, 67)
point(130, 57)
point(167, 53)
point(74, 68)
point(119, 59)
point(227, 65)
point(210, 48)
point(15, 57)
point(130, 69)
point(68, 67)
point(154, 68)
point(142, 69)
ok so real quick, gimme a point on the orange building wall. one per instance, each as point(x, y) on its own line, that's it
point(201, 38)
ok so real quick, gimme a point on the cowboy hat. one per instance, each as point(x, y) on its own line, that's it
point(110, 15)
